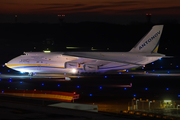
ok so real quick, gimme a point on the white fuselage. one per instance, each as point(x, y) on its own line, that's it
point(40, 62)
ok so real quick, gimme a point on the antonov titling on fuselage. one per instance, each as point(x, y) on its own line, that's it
point(144, 52)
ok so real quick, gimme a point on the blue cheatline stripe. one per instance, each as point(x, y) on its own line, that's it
point(37, 66)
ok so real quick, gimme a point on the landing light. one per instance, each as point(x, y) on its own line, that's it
point(74, 70)
point(47, 51)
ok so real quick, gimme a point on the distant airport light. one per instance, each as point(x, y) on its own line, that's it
point(167, 88)
point(10, 80)
point(158, 75)
point(78, 77)
point(78, 86)
point(152, 63)
point(90, 94)
point(161, 67)
point(146, 72)
point(72, 47)
point(146, 88)
point(178, 95)
point(177, 66)
point(2, 91)
point(142, 67)
point(42, 84)
point(127, 70)
point(132, 76)
point(30, 78)
point(0, 79)
point(125, 88)
point(153, 70)
point(58, 85)
point(167, 71)
point(20, 81)
point(100, 87)
point(49, 77)
point(47, 51)
point(8, 70)
point(119, 72)
point(134, 95)
point(3, 65)
point(0, 73)
point(105, 76)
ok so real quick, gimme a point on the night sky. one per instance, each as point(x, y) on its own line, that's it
point(113, 11)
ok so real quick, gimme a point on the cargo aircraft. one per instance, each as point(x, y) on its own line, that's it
point(144, 52)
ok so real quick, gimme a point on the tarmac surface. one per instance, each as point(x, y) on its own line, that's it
point(105, 90)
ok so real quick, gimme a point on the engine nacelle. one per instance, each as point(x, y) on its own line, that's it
point(90, 67)
point(71, 65)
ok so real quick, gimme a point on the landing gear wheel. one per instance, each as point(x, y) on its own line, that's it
point(31, 74)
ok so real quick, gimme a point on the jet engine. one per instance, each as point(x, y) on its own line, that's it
point(90, 67)
point(71, 65)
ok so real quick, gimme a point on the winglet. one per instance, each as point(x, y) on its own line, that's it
point(150, 42)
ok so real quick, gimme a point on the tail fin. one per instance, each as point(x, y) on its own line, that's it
point(150, 42)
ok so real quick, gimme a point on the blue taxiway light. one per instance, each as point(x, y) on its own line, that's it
point(10, 80)
point(42, 83)
point(77, 86)
point(58, 85)
point(3, 65)
point(105, 76)
point(177, 66)
point(2, 91)
point(8, 70)
point(160, 59)
point(45, 93)
point(167, 88)
point(90, 94)
point(0, 79)
point(100, 87)
point(49, 77)
point(158, 75)
point(132, 76)
point(30, 78)
point(142, 67)
point(119, 72)
point(134, 95)
point(167, 71)
point(161, 67)
point(0, 73)
point(127, 70)
point(152, 63)
point(178, 95)
point(153, 70)
point(64, 73)
point(125, 88)
point(146, 88)
point(77, 77)
point(20, 81)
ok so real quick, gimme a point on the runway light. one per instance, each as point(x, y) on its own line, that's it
point(90, 94)
point(119, 72)
point(2, 91)
point(100, 87)
point(20, 81)
point(58, 85)
point(146, 88)
point(77, 86)
point(105, 76)
point(134, 95)
point(42, 83)
point(125, 88)
point(152, 63)
point(167, 88)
